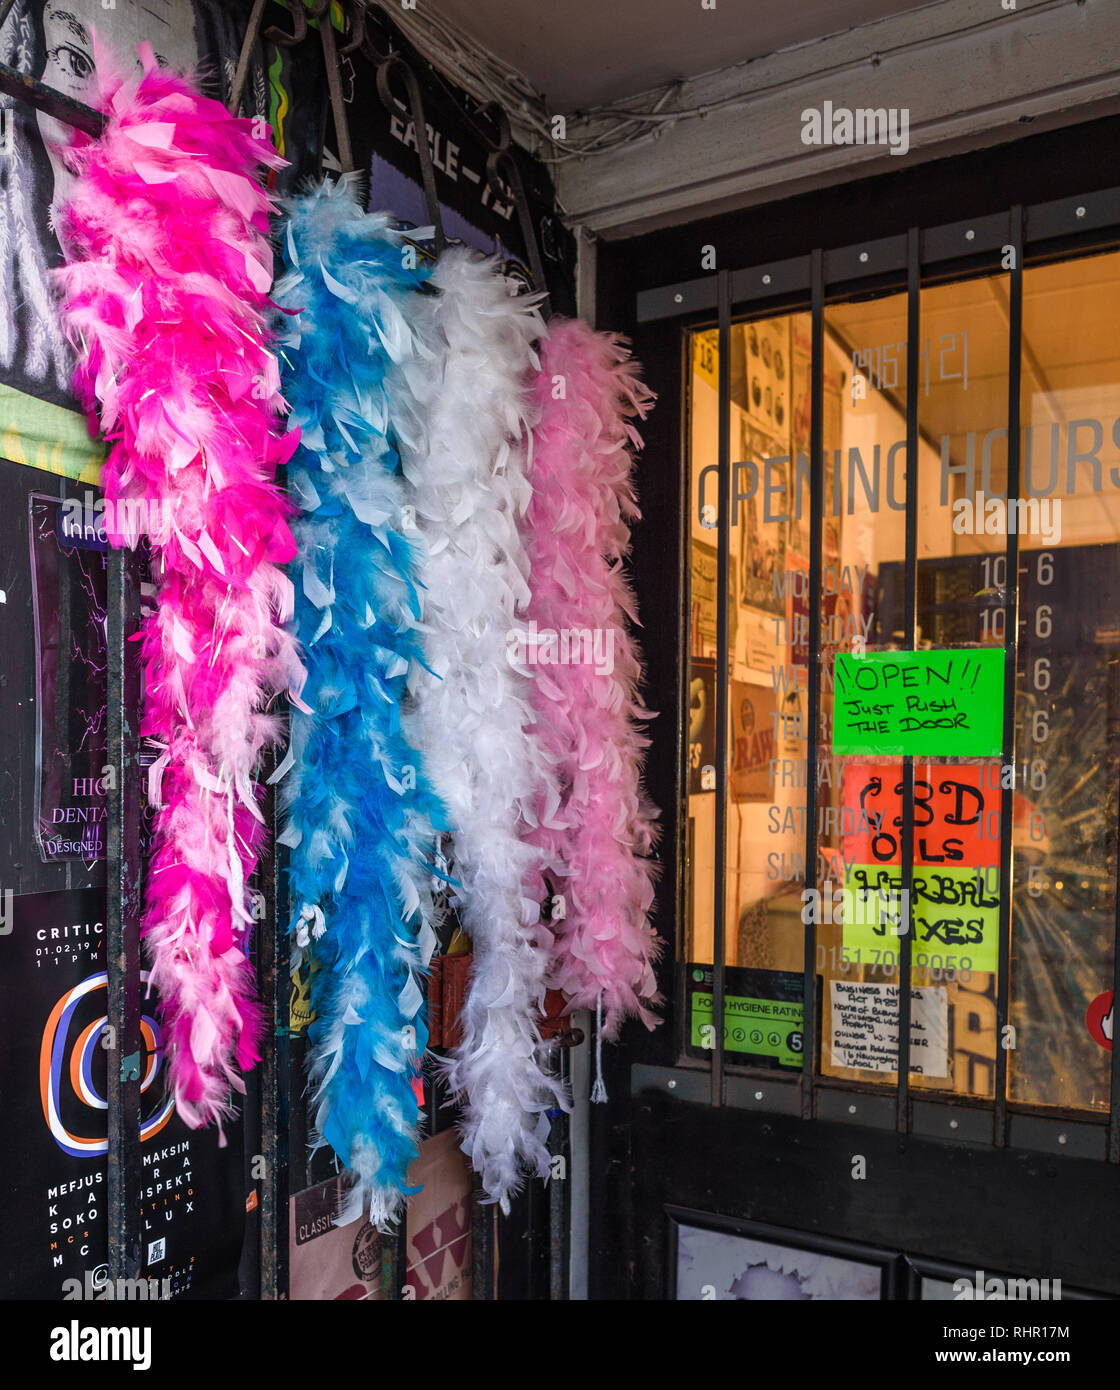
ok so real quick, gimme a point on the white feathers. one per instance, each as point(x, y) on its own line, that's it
point(471, 713)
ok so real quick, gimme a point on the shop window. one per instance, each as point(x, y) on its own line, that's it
point(1060, 896)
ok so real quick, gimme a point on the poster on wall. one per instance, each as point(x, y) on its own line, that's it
point(439, 1222)
point(68, 560)
point(703, 594)
point(763, 1014)
point(754, 710)
point(701, 727)
point(329, 1262)
point(53, 41)
point(745, 1263)
point(53, 1150)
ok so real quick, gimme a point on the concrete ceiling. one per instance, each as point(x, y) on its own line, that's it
point(584, 52)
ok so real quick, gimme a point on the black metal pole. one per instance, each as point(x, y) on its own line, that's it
point(812, 748)
point(1010, 673)
point(122, 915)
point(272, 968)
point(54, 103)
point(252, 33)
point(910, 630)
point(559, 1184)
point(723, 687)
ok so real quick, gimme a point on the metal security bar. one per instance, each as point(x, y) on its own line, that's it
point(122, 911)
point(1010, 670)
point(909, 636)
point(816, 536)
point(723, 683)
point(955, 251)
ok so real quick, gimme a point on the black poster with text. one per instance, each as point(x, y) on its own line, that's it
point(53, 1146)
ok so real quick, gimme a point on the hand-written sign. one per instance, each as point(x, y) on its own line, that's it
point(920, 704)
point(865, 1028)
point(953, 912)
point(956, 813)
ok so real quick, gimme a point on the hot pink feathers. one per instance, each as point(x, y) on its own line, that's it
point(165, 301)
point(587, 670)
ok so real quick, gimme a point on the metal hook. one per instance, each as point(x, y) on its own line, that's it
point(501, 156)
point(252, 33)
point(373, 51)
point(320, 10)
point(357, 29)
point(415, 109)
point(493, 112)
point(278, 35)
point(498, 159)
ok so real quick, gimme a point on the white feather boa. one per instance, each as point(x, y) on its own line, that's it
point(472, 713)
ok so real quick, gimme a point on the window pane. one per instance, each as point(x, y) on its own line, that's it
point(767, 600)
point(1068, 696)
point(863, 540)
point(1064, 832)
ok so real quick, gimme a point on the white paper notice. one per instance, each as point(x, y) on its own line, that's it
point(865, 1027)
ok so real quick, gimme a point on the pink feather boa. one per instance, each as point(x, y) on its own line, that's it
point(578, 536)
point(165, 300)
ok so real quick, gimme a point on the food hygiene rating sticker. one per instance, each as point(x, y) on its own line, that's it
point(755, 1022)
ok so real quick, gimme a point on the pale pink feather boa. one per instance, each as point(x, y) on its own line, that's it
point(586, 696)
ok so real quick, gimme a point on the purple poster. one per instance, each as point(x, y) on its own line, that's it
point(68, 588)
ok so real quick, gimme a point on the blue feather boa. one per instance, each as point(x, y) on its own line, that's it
point(361, 817)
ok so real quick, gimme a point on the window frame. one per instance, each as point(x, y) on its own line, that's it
point(1058, 229)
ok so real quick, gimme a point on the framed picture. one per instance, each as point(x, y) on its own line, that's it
point(722, 1259)
point(940, 1281)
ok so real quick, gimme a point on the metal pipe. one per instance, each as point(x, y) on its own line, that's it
point(910, 629)
point(334, 86)
point(122, 914)
point(1010, 673)
point(43, 98)
point(252, 32)
point(723, 682)
point(812, 750)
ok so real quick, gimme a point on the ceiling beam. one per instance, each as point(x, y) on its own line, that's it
point(969, 73)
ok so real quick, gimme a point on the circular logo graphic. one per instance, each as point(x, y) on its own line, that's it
point(367, 1253)
point(72, 1064)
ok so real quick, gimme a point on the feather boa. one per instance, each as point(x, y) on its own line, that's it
point(578, 527)
point(472, 711)
point(362, 818)
point(166, 294)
